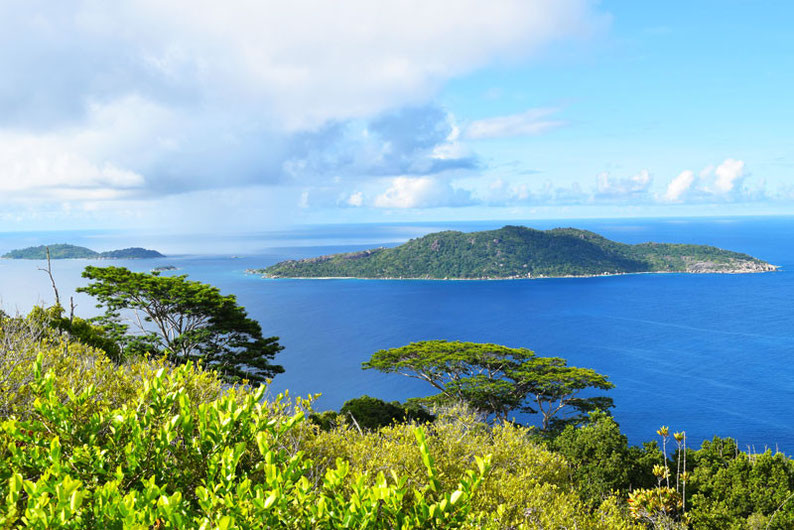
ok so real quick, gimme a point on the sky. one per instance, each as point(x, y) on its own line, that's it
point(196, 116)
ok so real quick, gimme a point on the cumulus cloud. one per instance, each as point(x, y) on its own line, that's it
point(728, 176)
point(722, 183)
point(503, 193)
point(355, 199)
point(422, 192)
point(531, 122)
point(618, 188)
point(679, 186)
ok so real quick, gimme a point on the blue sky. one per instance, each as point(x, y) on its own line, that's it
point(202, 116)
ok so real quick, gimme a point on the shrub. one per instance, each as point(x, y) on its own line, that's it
point(164, 460)
point(527, 487)
point(76, 366)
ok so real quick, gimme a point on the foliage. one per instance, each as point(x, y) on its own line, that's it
point(373, 413)
point(496, 380)
point(57, 251)
point(167, 462)
point(66, 251)
point(89, 443)
point(731, 488)
point(131, 253)
point(658, 506)
point(527, 487)
point(76, 365)
point(602, 461)
point(514, 252)
point(182, 319)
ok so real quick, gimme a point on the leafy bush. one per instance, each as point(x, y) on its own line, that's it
point(76, 366)
point(527, 487)
point(731, 488)
point(164, 460)
point(602, 461)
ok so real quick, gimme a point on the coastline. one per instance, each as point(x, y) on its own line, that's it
point(507, 278)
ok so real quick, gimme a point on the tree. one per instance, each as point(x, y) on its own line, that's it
point(374, 413)
point(185, 320)
point(601, 460)
point(496, 380)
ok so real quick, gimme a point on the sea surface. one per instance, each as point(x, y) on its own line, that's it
point(711, 354)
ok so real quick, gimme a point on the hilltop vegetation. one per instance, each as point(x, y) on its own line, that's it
point(516, 252)
point(95, 434)
point(66, 251)
point(86, 442)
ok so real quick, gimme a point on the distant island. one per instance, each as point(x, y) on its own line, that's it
point(515, 252)
point(65, 251)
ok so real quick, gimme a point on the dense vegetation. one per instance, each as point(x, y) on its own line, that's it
point(516, 252)
point(65, 251)
point(95, 436)
point(89, 443)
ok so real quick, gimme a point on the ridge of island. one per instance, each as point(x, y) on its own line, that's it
point(516, 252)
point(66, 251)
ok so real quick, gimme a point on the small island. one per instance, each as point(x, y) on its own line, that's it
point(516, 252)
point(66, 251)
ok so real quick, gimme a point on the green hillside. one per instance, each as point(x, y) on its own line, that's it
point(131, 253)
point(65, 251)
point(516, 252)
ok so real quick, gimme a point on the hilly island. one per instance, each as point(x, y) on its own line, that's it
point(515, 252)
point(65, 251)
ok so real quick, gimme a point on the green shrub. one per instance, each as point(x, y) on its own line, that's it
point(528, 486)
point(76, 366)
point(163, 460)
point(602, 462)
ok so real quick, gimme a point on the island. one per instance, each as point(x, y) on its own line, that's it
point(66, 251)
point(516, 252)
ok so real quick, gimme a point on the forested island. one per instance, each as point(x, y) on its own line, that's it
point(514, 252)
point(66, 251)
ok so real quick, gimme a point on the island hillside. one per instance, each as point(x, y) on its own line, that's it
point(65, 251)
point(515, 252)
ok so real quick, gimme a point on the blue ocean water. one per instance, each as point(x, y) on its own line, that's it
point(710, 354)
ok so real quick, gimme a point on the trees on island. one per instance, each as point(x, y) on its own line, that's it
point(496, 380)
point(184, 320)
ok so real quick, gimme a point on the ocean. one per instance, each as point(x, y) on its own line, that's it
point(710, 354)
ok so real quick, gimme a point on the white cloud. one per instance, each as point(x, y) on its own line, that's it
point(51, 165)
point(158, 98)
point(720, 183)
point(527, 123)
point(679, 186)
point(421, 192)
point(355, 199)
point(728, 176)
point(303, 200)
point(503, 193)
point(608, 186)
point(311, 60)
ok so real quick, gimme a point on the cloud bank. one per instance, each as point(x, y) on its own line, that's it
point(143, 98)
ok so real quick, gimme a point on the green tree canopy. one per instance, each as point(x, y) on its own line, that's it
point(185, 320)
point(496, 380)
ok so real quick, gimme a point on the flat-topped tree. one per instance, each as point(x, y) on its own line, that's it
point(186, 320)
point(497, 380)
